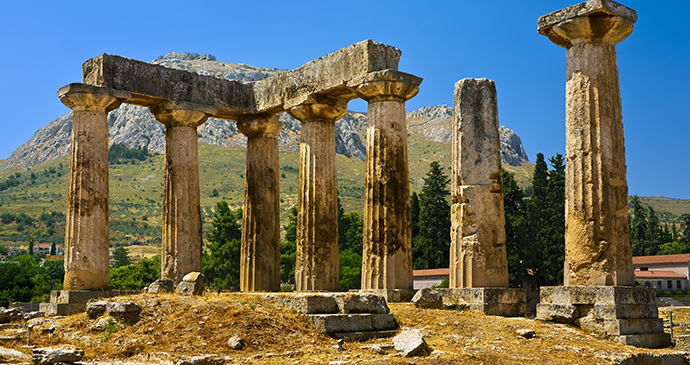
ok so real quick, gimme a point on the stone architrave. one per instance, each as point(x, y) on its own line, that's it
point(477, 251)
point(317, 265)
point(387, 246)
point(260, 253)
point(597, 235)
point(181, 253)
point(86, 231)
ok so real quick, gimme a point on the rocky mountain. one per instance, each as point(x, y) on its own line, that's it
point(136, 127)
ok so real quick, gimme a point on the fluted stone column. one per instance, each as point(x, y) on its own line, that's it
point(477, 250)
point(181, 252)
point(597, 235)
point(387, 250)
point(86, 233)
point(318, 259)
point(260, 254)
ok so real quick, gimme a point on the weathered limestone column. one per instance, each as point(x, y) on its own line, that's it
point(477, 250)
point(598, 275)
point(260, 254)
point(181, 252)
point(478, 260)
point(597, 235)
point(387, 251)
point(86, 232)
point(318, 257)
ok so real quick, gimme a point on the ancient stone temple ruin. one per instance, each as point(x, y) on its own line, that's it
point(478, 259)
point(316, 94)
point(598, 276)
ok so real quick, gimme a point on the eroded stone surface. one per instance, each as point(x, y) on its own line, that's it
point(477, 251)
point(191, 284)
point(52, 355)
point(86, 230)
point(387, 246)
point(427, 298)
point(410, 343)
point(597, 234)
point(317, 265)
point(260, 252)
point(181, 248)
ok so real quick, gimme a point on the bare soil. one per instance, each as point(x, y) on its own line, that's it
point(175, 328)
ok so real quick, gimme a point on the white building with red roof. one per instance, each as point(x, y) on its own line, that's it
point(663, 272)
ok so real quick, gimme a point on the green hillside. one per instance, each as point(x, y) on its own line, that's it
point(136, 191)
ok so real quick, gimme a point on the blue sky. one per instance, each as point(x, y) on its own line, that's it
point(44, 43)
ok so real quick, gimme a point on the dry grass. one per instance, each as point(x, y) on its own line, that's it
point(174, 327)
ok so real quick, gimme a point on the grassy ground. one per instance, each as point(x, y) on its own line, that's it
point(173, 328)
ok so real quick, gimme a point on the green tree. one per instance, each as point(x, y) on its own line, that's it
point(135, 277)
point(350, 270)
point(222, 263)
point(288, 249)
point(654, 232)
point(552, 234)
point(351, 227)
point(431, 247)
point(31, 246)
point(53, 248)
point(121, 257)
point(519, 248)
point(414, 215)
point(685, 229)
point(638, 229)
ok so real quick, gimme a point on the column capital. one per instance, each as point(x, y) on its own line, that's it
point(588, 22)
point(323, 108)
point(386, 85)
point(259, 125)
point(171, 113)
point(80, 97)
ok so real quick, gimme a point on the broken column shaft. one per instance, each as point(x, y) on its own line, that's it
point(477, 251)
point(317, 264)
point(86, 230)
point(260, 252)
point(181, 251)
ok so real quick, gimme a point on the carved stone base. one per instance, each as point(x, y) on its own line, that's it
point(68, 302)
point(506, 302)
point(625, 314)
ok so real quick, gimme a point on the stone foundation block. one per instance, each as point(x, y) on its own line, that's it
point(310, 303)
point(651, 340)
point(335, 323)
point(507, 302)
point(626, 314)
point(393, 295)
point(597, 295)
point(618, 327)
point(68, 302)
point(612, 311)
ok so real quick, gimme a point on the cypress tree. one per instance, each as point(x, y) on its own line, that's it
point(221, 266)
point(414, 214)
point(638, 227)
point(431, 247)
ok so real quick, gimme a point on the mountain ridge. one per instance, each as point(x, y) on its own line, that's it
point(136, 127)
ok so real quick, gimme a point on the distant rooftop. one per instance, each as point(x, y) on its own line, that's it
point(656, 274)
point(661, 259)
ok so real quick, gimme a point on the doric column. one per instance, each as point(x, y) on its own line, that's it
point(181, 252)
point(387, 251)
point(318, 259)
point(260, 254)
point(597, 238)
point(86, 233)
point(477, 250)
